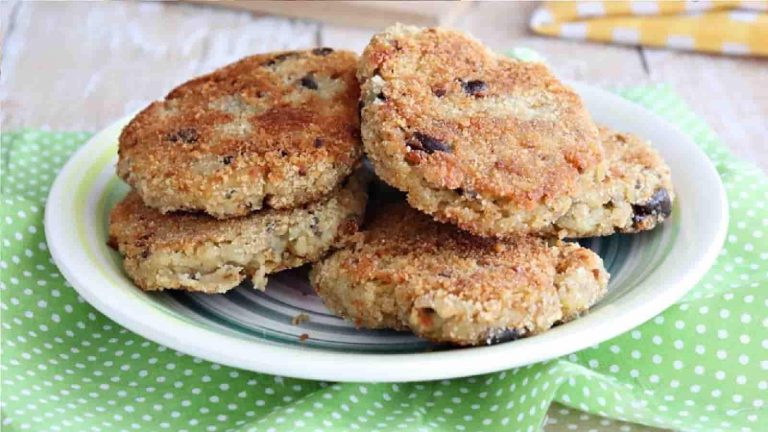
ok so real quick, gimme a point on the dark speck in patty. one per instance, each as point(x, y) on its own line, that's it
point(185, 135)
point(659, 206)
point(324, 51)
point(503, 335)
point(279, 58)
point(439, 91)
point(428, 144)
point(309, 82)
point(474, 87)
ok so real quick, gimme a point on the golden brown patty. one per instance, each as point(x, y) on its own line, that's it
point(278, 130)
point(635, 195)
point(494, 145)
point(406, 271)
point(196, 252)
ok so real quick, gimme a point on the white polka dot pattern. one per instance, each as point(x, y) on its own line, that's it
point(702, 365)
point(729, 28)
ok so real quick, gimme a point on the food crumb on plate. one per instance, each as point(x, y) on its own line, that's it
point(300, 318)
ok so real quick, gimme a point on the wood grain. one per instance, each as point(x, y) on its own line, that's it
point(81, 65)
point(8, 10)
point(358, 13)
point(504, 25)
point(729, 93)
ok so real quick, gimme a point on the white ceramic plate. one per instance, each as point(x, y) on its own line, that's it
point(252, 330)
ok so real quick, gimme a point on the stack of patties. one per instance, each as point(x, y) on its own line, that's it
point(253, 169)
point(499, 161)
point(241, 173)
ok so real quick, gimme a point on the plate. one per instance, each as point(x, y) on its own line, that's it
point(252, 330)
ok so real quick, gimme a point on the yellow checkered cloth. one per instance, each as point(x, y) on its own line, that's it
point(727, 27)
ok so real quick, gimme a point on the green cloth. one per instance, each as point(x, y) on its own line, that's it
point(700, 365)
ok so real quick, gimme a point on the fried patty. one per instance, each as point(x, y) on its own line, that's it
point(196, 252)
point(275, 130)
point(407, 272)
point(635, 195)
point(494, 145)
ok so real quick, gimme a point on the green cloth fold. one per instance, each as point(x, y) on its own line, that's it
point(702, 365)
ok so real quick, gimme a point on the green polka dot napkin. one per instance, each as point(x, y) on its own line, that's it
point(702, 365)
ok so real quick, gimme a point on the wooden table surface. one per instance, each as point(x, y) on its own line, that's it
point(79, 66)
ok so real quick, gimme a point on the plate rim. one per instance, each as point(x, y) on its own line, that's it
point(311, 363)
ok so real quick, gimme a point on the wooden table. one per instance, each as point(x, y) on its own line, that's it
point(79, 66)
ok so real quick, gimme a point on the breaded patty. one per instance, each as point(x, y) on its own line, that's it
point(635, 195)
point(278, 130)
point(494, 145)
point(405, 271)
point(196, 252)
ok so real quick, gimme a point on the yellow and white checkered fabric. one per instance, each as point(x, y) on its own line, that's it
point(728, 27)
